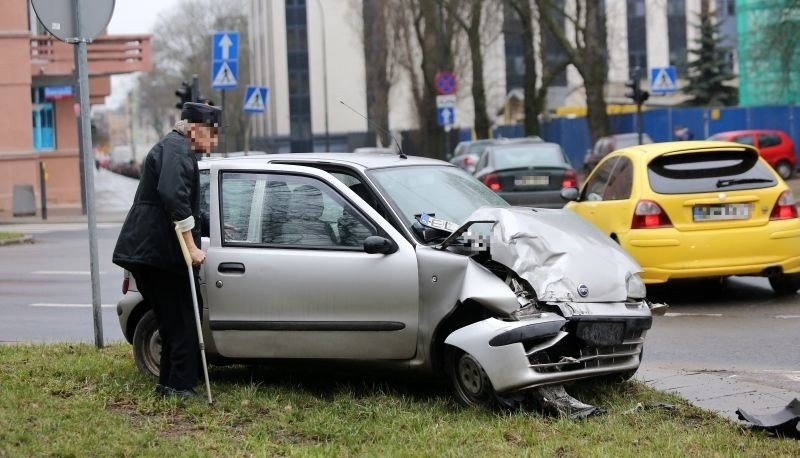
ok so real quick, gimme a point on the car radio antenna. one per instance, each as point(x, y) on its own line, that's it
point(399, 148)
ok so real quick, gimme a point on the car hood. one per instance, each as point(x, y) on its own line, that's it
point(558, 253)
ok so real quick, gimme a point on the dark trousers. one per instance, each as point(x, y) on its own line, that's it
point(171, 297)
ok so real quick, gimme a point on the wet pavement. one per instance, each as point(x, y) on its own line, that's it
point(720, 391)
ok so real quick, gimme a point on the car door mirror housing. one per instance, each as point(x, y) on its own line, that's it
point(569, 194)
point(377, 244)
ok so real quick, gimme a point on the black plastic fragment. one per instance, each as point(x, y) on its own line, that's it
point(785, 421)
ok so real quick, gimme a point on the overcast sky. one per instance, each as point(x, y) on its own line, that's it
point(132, 17)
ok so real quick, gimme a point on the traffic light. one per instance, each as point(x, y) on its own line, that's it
point(636, 93)
point(184, 95)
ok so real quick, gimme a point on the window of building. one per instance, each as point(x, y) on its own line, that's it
point(43, 121)
point(299, 92)
point(637, 35)
point(676, 30)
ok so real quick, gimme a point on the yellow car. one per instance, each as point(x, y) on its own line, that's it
point(695, 209)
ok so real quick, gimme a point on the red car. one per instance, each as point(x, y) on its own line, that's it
point(774, 145)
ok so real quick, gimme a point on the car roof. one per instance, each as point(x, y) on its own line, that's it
point(521, 145)
point(746, 131)
point(652, 150)
point(358, 160)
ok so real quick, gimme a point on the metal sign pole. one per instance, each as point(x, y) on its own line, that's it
point(88, 166)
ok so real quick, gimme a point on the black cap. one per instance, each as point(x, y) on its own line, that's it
point(201, 113)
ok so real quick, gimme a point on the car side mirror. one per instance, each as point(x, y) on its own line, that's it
point(569, 194)
point(377, 244)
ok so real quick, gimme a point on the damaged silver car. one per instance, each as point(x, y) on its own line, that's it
point(409, 262)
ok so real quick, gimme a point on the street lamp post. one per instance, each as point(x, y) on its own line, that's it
point(324, 75)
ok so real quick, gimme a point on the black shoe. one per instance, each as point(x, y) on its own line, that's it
point(188, 393)
point(160, 390)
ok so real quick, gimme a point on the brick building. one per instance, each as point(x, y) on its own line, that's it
point(38, 115)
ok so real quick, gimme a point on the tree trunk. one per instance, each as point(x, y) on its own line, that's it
point(482, 126)
point(593, 70)
point(376, 53)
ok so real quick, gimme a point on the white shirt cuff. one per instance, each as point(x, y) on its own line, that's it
point(185, 225)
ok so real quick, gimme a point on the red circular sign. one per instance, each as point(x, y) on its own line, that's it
point(445, 83)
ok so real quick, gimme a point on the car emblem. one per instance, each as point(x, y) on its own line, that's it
point(583, 290)
point(722, 197)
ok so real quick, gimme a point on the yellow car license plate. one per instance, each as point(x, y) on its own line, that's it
point(721, 212)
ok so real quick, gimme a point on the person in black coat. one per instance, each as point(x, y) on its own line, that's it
point(168, 196)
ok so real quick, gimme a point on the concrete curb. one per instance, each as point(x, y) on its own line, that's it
point(17, 240)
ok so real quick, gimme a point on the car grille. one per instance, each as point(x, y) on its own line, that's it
point(571, 353)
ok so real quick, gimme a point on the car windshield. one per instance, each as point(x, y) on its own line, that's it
point(535, 155)
point(449, 193)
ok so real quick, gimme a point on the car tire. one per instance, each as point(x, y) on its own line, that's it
point(147, 345)
point(784, 169)
point(785, 284)
point(469, 381)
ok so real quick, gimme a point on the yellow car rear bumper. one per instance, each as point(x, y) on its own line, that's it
point(667, 253)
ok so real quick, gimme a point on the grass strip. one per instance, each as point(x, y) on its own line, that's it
point(9, 235)
point(74, 400)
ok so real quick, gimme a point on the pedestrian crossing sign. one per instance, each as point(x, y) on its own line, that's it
point(663, 80)
point(255, 99)
point(223, 74)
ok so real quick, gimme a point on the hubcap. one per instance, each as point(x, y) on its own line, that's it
point(469, 373)
point(153, 357)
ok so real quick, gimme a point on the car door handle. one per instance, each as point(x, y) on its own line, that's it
point(231, 268)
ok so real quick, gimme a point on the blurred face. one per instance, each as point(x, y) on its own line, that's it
point(203, 137)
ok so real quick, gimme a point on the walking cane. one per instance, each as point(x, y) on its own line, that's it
point(188, 260)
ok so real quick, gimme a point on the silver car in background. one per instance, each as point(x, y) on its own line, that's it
point(409, 262)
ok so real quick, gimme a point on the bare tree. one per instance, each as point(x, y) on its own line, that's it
point(586, 50)
point(469, 19)
point(535, 96)
point(181, 50)
point(379, 63)
point(423, 35)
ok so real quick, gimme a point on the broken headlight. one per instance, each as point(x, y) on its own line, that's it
point(635, 286)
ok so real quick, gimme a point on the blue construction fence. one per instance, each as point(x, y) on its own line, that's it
point(573, 133)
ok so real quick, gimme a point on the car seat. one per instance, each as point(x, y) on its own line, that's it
point(304, 226)
point(276, 210)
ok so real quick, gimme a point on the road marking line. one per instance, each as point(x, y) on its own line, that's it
point(63, 272)
point(693, 314)
point(48, 304)
point(786, 317)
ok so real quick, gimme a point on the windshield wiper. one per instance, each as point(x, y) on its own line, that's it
point(731, 182)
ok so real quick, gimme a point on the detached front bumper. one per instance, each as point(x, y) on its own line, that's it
point(549, 348)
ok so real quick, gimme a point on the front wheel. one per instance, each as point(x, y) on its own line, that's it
point(147, 345)
point(470, 383)
point(785, 284)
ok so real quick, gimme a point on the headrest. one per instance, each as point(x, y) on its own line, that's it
point(306, 203)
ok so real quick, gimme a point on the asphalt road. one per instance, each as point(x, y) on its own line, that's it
point(46, 289)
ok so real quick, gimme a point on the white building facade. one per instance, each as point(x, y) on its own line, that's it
point(310, 55)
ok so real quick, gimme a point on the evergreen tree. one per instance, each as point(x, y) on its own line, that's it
point(707, 69)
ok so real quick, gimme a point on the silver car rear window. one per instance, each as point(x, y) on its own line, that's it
point(711, 171)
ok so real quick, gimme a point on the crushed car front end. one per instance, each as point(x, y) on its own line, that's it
point(581, 309)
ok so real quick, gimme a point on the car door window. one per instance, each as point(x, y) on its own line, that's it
point(620, 181)
point(596, 186)
point(289, 211)
point(744, 139)
point(767, 140)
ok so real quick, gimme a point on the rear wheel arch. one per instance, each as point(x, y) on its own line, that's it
point(134, 318)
